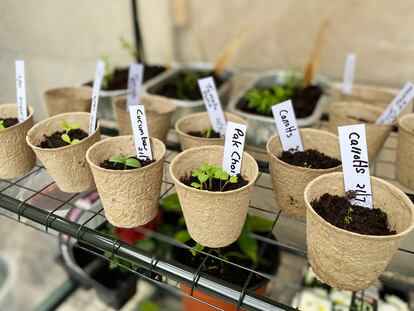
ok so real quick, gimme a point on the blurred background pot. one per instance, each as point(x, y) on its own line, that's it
point(68, 99)
point(405, 151)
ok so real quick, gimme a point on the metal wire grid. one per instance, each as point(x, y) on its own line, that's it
point(40, 207)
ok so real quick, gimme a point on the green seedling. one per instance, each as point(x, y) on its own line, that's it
point(132, 50)
point(126, 161)
point(67, 128)
point(207, 173)
point(109, 74)
point(207, 132)
point(306, 165)
point(188, 83)
point(1, 124)
point(348, 217)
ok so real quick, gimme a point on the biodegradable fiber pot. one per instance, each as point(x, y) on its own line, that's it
point(67, 165)
point(199, 122)
point(214, 219)
point(68, 99)
point(347, 260)
point(129, 197)
point(17, 157)
point(289, 181)
point(157, 109)
point(405, 151)
point(348, 113)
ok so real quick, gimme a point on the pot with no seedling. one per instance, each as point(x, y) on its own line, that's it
point(254, 103)
point(214, 218)
point(291, 172)
point(405, 151)
point(348, 113)
point(61, 142)
point(129, 188)
point(354, 260)
point(180, 85)
point(195, 130)
point(158, 111)
point(68, 99)
point(17, 157)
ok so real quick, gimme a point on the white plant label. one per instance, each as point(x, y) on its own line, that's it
point(135, 74)
point(100, 71)
point(287, 127)
point(349, 73)
point(233, 147)
point(354, 155)
point(212, 101)
point(397, 104)
point(21, 91)
point(140, 130)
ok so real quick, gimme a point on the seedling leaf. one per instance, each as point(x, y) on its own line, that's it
point(233, 179)
point(196, 248)
point(132, 162)
point(195, 185)
point(248, 246)
point(182, 236)
point(117, 159)
point(66, 138)
point(1, 124)
point(171, 203)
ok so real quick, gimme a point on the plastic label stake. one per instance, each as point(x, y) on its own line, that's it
point(397, 104)
point(100, 71)
point(135, 74)
point(355, 163)
point(140, 130)
point(233, 147)
point(212, 101)
point(21, 91)
point(349, 73)
point(287, 127)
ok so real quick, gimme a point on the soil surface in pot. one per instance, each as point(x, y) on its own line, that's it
point(304, 101)
point(120, 77)
point(339, 212)
point(184, 85)
point(309, 158)
point(228, 272)
point(7, 122)
point(55, 140)
point(216, 184)
point(120, 167)
point(213, 134)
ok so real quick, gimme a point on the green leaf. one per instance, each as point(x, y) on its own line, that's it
point(202, 177)
point(182, 236)
point(196, 248)
point(75, 141)
point(74, 126)
point(132, 162)
point(66, 138)
point(148, 305)
point(224, 175)
point(171, 203)
point(64, 124)
point(145, 244)
point(248, 246)
point(113, 265)
point(258, 224)
point(207, 132)
point(118, 159)
point(195, 185)
point(1, 124)
point(181, 221)
point(233, 179)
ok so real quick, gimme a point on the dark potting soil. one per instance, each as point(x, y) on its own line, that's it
point(229, 272)
point(120, 167)
point(215, 183)
point(309, 158)
point(304, 101)
point(120, 77)
point(213, 134)
point(55, 140)
point(184, 85)
point(362, 220)
point(7, 122)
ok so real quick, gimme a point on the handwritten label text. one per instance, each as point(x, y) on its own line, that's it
point(233, 147)
point(140, 131)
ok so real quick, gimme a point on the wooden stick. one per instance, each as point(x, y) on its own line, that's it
point(230, 50)
point(316, 53)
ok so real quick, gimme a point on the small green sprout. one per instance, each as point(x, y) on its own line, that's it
point(207, 132)
point(67, 128)
point(133, 51)
point(109, 74)
point(207, 173)
point(1, 124)
point(126, 161)
point(306, 165)
point(348, 217)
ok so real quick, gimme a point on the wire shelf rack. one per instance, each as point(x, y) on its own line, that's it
point(35, 200)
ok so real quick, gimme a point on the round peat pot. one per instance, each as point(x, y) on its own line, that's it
point(67, 165)
point(68, 99)
point(347, 260)
point(198, 122)
point(16, 156)
point(214, 219)
point(405, 151)
point(348, 113)
point(289, 181)
point(129, 197)
point(157, 109)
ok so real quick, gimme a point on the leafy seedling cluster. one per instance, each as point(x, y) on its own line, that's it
point(67, 128)
point(131, 48)
point(262, 100)
point(207, 173)
point(188, 84)
point(126, 161)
